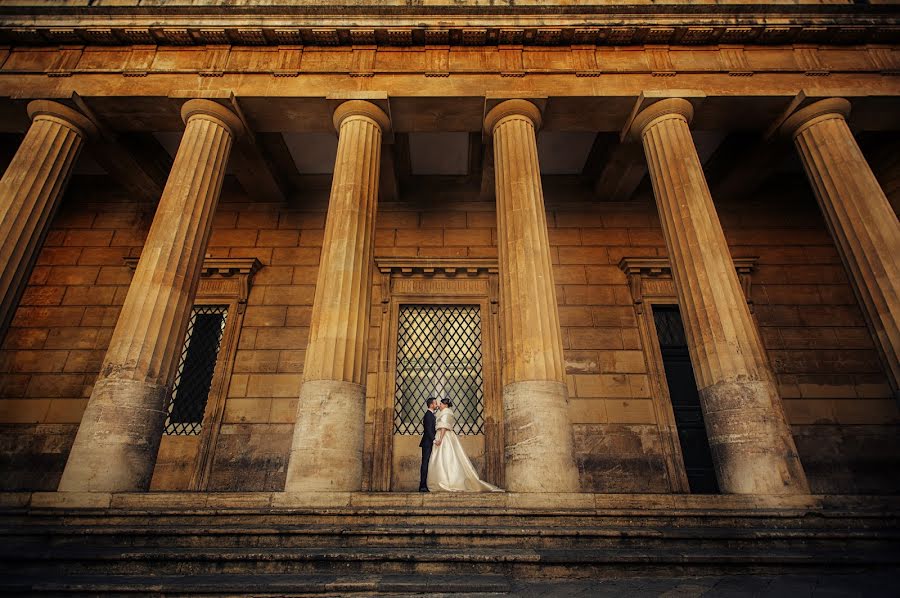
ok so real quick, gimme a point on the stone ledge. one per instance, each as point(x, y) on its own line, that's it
point(252, 584)
point(774, 23)
point(416, 502)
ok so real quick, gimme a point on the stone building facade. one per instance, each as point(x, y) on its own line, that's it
point(329, 191)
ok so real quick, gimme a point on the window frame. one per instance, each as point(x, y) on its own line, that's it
point(434, 281)
point(651, 283)
point(484, 382)
point(223, 282)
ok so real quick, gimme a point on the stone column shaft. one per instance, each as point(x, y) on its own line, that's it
point(327, 448)
point(117, 441)
point(539, 440)
point(30, 191)
point(859, 216)
point(749, 436)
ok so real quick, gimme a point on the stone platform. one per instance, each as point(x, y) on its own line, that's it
point(383, 543)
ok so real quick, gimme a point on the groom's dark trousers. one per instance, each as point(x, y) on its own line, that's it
point(427, 444)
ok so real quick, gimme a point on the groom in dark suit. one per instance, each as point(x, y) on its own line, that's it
point(428, 421)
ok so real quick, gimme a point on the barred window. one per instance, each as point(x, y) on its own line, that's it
point(187, 403)
point(439, 354)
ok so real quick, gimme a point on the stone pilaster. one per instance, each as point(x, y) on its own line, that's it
point(327, 448)
point(539, 444)
point(859, 217)
point(117, 441)
point(30, 191)
point(750, 437)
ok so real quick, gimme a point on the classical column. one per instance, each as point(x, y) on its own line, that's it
point(539, 443)
point(859, 217)
point(327, 448)
point(750, 437)
point(117, 441)
point(30, 192)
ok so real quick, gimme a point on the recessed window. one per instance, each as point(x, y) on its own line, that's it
point(439, 355)
point(196, 366)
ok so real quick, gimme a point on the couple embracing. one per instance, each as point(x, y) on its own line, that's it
point(445, 466)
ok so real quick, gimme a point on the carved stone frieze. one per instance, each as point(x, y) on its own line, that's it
point(319, 26)
point(356, 59)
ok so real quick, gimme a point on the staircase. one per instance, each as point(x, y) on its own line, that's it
point(346, 543)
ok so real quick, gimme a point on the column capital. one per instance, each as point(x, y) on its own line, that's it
point(50, 110)
point(805, 117)
point(657, 110)
point(510, 108)
point(364, 109)
point(214, 111)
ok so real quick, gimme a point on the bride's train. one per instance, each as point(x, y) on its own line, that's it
point(449, 469)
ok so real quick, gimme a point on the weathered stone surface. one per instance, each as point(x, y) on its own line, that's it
point(749, 436)
point(326, 454)
point(849, 459)
point(30, 190)
point(539, 450)
point(536, 419)
point(251, 458)
point(32, 456)
point(859, 216)
point(824, 359)
point(620, 458)
point(116, 445)
point(222, 537)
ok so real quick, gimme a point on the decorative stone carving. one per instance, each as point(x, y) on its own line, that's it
point(225, 276)
point(640, 270)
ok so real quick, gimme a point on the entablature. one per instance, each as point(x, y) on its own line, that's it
point(472, 23)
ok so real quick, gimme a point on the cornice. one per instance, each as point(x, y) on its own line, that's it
point(219, 266)
point(430, 266)
point(392, 25)
point(640, 270)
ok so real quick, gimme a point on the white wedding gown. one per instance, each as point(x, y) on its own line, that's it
point(449, 469)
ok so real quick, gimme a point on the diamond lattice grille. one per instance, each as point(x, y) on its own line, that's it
point(439, 355)
point(195, 370)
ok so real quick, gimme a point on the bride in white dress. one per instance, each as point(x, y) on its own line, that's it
point(449, 469)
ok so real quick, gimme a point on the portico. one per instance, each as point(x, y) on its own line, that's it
point(546, 196)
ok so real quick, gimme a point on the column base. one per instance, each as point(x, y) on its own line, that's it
point(751, 443)
point(539, 443)
point(118, 439)
point(327, 449)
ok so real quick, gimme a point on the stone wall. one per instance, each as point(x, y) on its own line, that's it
point(53, 350)
point(835, 393)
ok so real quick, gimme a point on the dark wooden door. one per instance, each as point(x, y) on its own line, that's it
point(698, 463)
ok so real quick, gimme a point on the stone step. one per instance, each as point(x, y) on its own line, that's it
point(258, 585)
point(425, 560)
point(378, 535)
point(709, 518)
point(531, 535)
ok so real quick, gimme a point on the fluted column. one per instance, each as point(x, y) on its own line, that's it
point(327, 448)
point(30, 191)
point(539, 449)
point(750, 437)
point(859, 216)
point(117, 441)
